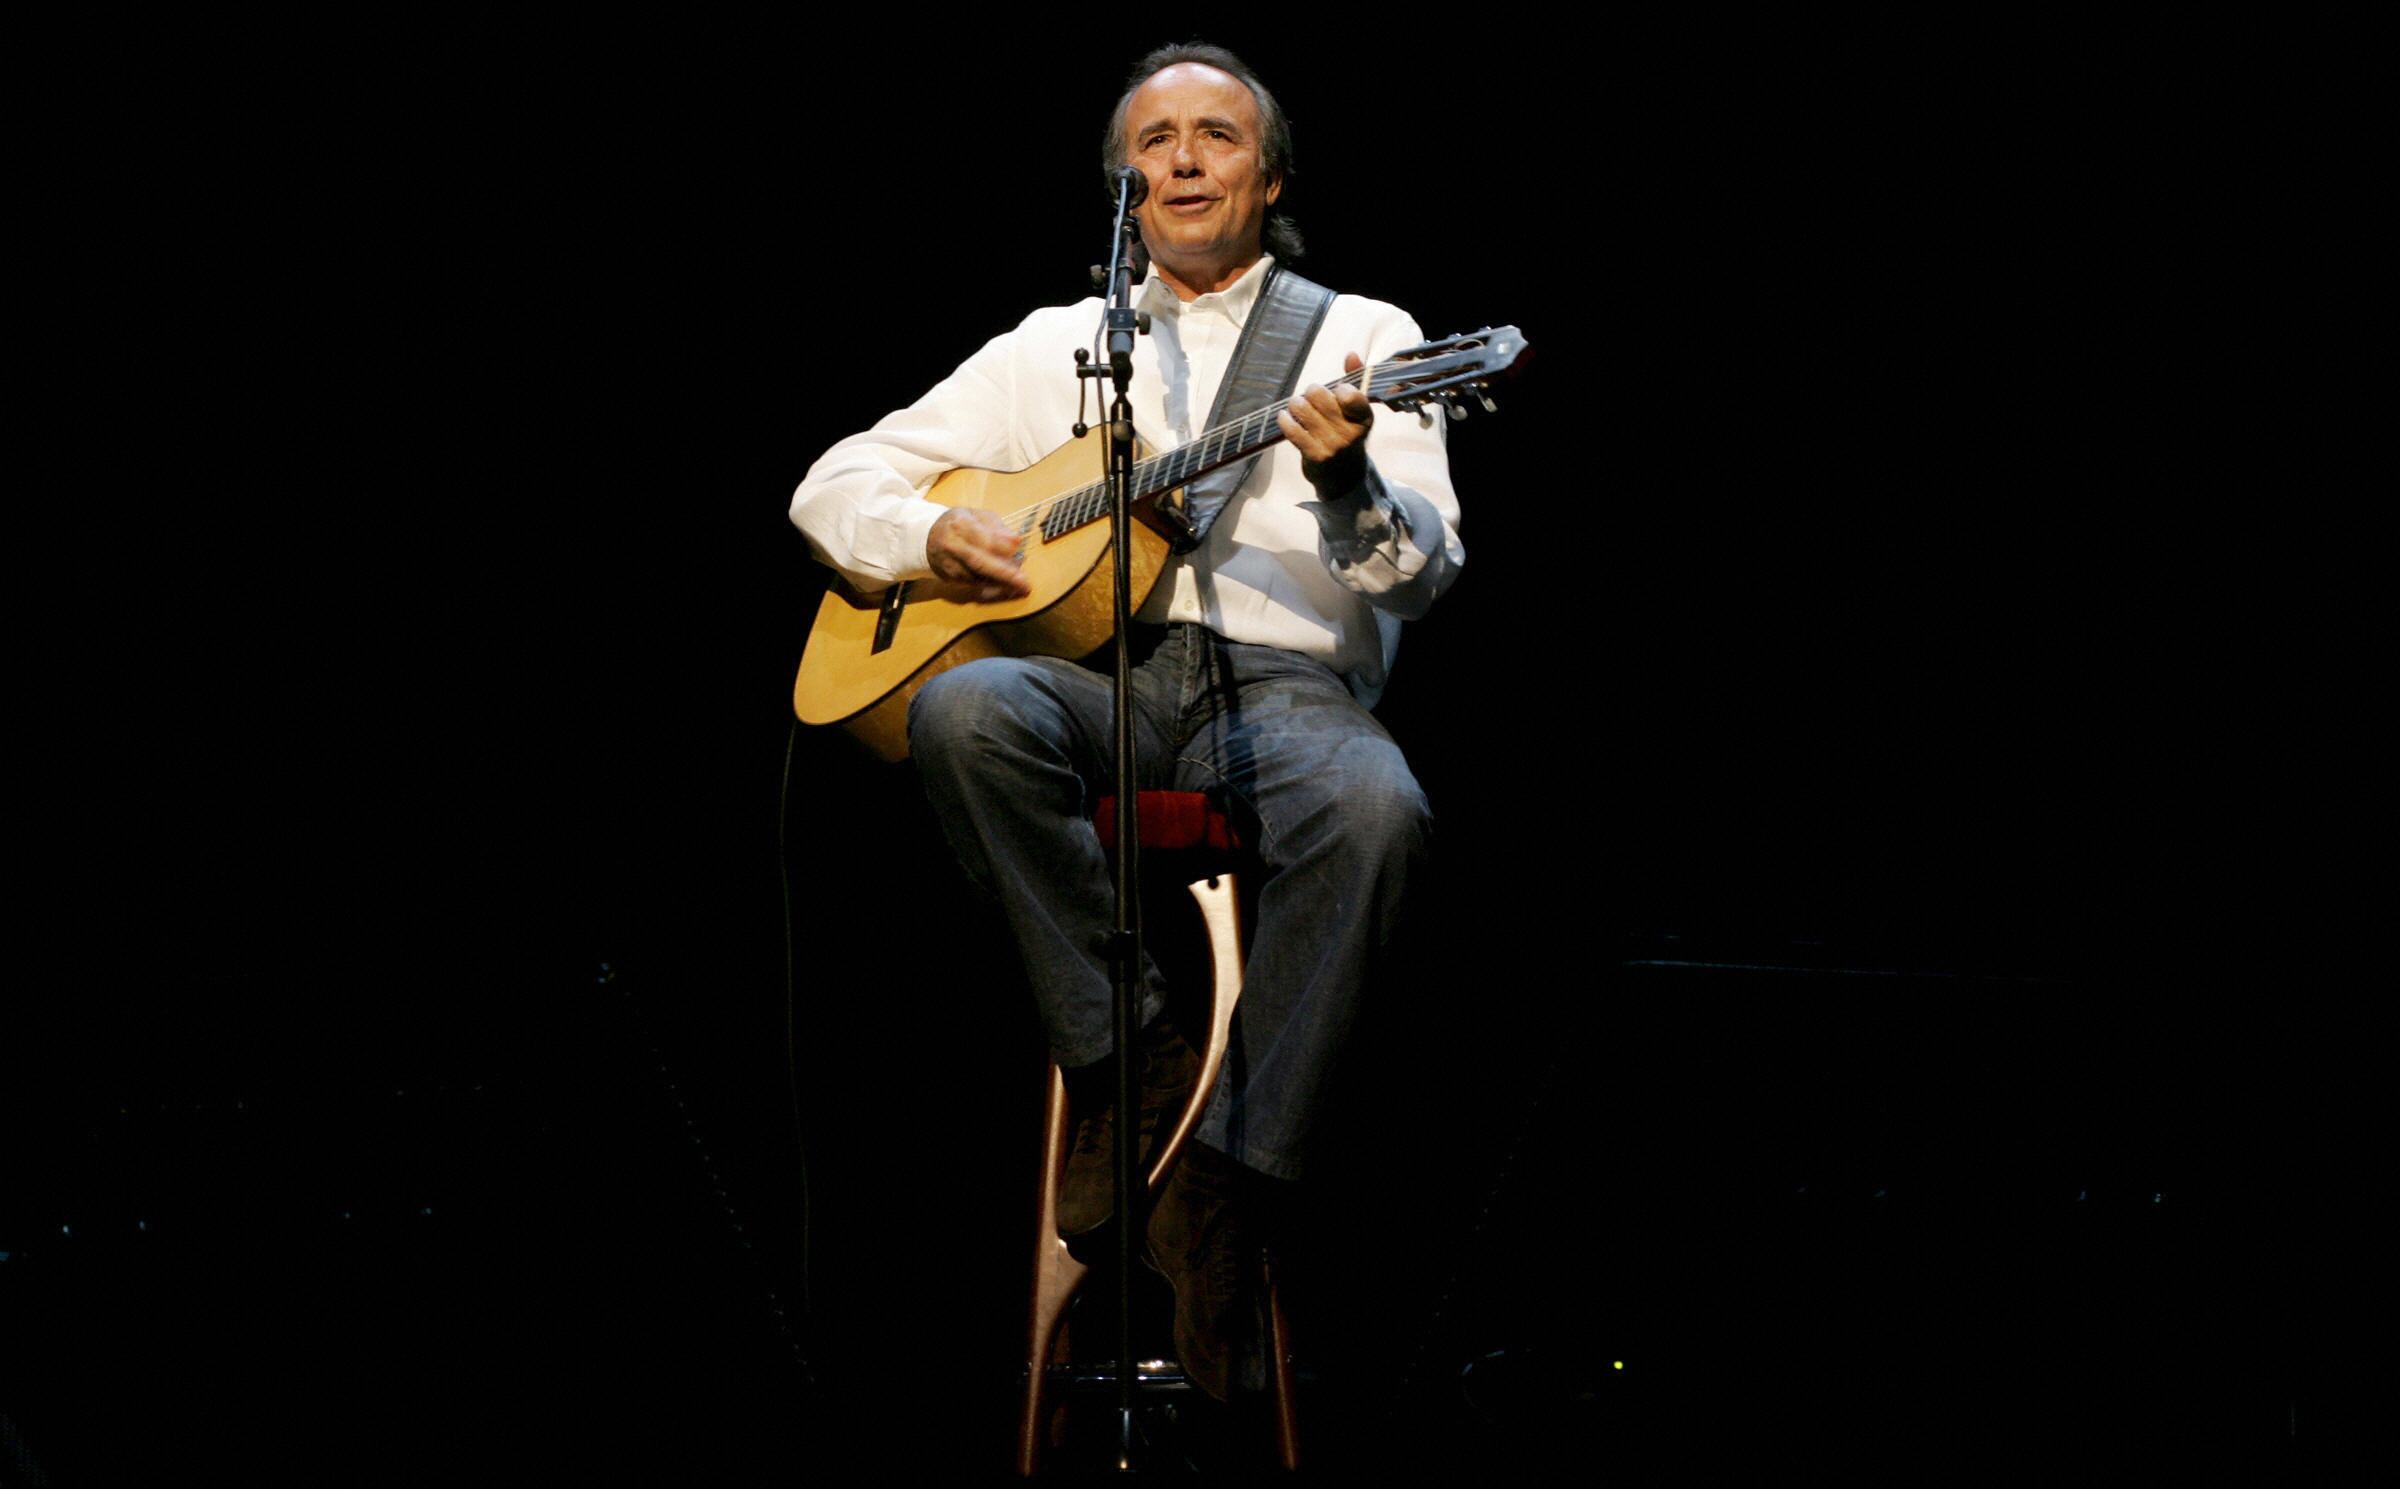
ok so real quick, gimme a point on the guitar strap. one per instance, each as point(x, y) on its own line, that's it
point(1263, 372)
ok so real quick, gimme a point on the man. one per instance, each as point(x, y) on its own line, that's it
point(1279, 631)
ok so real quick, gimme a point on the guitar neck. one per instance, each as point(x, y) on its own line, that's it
point(1235, 439)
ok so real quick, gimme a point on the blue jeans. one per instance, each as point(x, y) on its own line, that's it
point(1013, 753)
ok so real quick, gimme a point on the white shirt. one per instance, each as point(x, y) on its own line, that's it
point(1327, 579)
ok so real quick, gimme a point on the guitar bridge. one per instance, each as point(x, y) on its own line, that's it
point(887, 622)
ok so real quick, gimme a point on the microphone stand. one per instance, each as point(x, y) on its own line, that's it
point(1121, 325)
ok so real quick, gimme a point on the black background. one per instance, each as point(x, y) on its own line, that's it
point(1865, 582)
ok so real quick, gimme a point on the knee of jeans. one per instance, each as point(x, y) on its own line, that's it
point(1383, 811)
point(982, 700)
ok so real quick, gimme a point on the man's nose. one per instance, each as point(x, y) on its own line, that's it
point(1186, 163)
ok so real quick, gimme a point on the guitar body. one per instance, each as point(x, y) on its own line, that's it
point(868, 654)
point(846, 679)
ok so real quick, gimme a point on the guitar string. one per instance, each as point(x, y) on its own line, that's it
point(1085, 503)
point(1094, 495)
point(1240, 429)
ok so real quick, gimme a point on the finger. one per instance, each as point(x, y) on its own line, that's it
point(1001, 545)
point(972, 534)
point(961, 559)
point(1302, 437)
point(1311, 429)
point(1000, 568)
point(992, 591)
point(988, 531)
point(1319, 400)
point(1327, 425)
point(1336, 407)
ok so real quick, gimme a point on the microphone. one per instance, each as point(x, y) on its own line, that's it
point(1133, 185)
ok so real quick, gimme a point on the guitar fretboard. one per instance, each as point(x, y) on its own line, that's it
point(1228, 442)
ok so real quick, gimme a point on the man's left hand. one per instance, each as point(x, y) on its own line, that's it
point(1329, 429)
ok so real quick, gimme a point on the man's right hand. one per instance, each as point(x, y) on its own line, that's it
point(971, 547)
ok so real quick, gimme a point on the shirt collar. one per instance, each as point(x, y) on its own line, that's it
point(1233, 301)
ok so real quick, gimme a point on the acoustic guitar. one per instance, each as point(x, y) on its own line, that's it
point(869, 652)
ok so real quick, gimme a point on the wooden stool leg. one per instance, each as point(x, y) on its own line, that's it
point(1279, 1372)
point(1056, 1275)
point(1056, 1272)
point(1220, 912)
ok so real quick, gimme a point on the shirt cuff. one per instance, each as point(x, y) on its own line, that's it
point(1372, 526)
point(911, 543)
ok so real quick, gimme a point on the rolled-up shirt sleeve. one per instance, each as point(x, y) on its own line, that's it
point(862, 505)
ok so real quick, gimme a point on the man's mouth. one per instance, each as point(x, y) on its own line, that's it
point(1188, 201)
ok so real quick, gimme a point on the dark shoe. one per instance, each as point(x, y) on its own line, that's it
point(1206, 1236)
point(1169, 1069)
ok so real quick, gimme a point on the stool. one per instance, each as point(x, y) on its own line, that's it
point(1180, 830)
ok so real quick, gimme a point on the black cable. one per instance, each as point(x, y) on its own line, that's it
point(708, 1166)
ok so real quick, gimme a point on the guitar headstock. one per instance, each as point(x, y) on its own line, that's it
point(1449, 372)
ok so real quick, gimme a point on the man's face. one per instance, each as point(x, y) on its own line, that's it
point(1194, 132)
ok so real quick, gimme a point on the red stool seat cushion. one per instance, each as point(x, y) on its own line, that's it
point(1172, 822)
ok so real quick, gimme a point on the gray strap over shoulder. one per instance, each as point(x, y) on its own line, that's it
point(1264, 370)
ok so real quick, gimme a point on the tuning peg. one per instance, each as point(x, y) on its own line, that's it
point(1485, 399)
